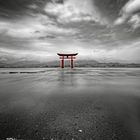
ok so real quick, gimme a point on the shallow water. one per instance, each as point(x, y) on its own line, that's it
point(79, 104)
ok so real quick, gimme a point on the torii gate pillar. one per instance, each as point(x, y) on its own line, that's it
point(62, 62)
point(72, 62)
point(71, 57)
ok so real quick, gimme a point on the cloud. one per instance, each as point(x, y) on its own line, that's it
point(135, 21)
point(33, 28)
point(15, 56)
point(73, 11)
point(128, 53)
point(41, 28)
point(130, 13)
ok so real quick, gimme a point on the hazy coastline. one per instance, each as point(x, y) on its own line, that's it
point(84, 64)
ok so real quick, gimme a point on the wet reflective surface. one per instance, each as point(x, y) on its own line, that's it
point(78, 104)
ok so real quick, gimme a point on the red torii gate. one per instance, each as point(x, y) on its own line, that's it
point(71, 57)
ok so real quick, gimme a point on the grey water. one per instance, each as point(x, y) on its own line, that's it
point(75, 104)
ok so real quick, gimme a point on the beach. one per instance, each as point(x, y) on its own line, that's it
point(70, 104)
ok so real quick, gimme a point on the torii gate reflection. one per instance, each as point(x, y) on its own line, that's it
point(71, 57)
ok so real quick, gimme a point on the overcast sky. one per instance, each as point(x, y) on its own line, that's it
point(96, 29)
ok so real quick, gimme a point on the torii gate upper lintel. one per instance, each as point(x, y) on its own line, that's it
point(71, 57)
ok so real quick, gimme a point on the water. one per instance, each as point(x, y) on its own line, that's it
point(83, 103)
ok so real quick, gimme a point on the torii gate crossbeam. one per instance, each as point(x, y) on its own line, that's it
point(71, 57)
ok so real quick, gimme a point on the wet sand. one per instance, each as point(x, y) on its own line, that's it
point(79, 104)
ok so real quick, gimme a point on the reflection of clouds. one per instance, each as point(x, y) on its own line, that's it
point(66, 78)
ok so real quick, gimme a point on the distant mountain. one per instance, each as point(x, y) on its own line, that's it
point(78, 63)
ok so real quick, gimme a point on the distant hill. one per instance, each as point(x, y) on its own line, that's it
point(79, 63)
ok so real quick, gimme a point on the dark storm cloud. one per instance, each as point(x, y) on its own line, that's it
point(130, 14)
point(19, 8)
point(110, 8)
point(15, 8)
point(16, 5)
point(51, 26)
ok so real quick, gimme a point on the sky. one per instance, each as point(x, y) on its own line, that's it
point(102, 30)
